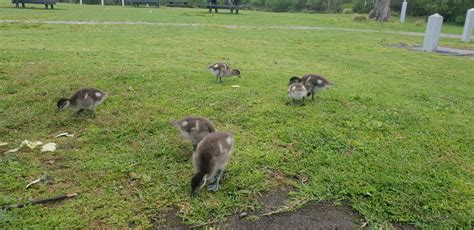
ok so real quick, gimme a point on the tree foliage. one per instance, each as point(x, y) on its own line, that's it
point(451, 10)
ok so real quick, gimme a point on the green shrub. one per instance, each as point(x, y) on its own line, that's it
point(420, 22)
point(359, 18)
point(347, 11)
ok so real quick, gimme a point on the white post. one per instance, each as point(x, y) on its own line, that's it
point(123, 2)
point(404, 11)
point(102, 2)
point(466, 36)
point(433, 31)
point(80, 2)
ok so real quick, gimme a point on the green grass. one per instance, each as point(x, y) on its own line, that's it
point(393, 137)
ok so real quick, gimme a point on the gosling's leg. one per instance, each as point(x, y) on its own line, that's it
point(78, 112)
point(214, 184)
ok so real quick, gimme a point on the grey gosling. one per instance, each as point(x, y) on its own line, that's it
point(223, 70)
point(212, 155)
point(313, 83)
point(83, 99)
point(195, 128)
point(297, 91)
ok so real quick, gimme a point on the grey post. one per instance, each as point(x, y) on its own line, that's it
point(102, 2)
point(123, 2)
point(433, 31)
point(404, 11)
point(80, 2)
point(466, 36)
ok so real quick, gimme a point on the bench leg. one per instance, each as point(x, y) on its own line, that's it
point(52, 7)
point(236, 11)
point(210, 9)
point(23, 5)
point(17, 4)
point(45, 6)
point(215, 10)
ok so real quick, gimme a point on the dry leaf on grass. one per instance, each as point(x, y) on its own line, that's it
point(33, 144)
point(50, 147)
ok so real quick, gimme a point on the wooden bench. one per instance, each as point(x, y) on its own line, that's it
point(177, 3)
point(137, 3)
point(233, 5)
point(44, 2)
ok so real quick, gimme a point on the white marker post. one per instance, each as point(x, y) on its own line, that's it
point(80, 2)
point(466, 36)
point(102, 2)
point(404, 11)
point(433, 31)
point(123, 2)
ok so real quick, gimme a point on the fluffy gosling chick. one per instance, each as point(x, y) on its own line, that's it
point(313, 83)
point(195, 128)
point(212, 155)
point(297, 91)
point(223, 70)
point(83, 99)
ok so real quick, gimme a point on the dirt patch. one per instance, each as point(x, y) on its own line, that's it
point(168, 219)
point(312, 216)
point(273, 200)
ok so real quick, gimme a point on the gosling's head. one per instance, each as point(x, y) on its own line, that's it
point(294, 79)
point(63, 103)
point(236, 72)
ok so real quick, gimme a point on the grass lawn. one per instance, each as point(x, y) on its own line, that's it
point(394, 137)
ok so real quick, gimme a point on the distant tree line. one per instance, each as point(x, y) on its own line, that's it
point(451, 10)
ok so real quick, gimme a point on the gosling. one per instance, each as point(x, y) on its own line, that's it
point(195, 128)
point(297, 91)
point(212, 155)
point(313, 83)
point(223, 70)
point(83, 99)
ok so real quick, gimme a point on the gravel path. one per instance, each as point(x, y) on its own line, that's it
point(419, 34)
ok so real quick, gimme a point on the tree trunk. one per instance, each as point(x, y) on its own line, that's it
point(381, 11)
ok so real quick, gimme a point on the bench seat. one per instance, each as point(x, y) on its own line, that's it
point(140, 2)
point(43, 2)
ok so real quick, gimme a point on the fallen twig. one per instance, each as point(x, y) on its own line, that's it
point(44, 178)
point(40, 201)
point(286, 208)
point(65, 135)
